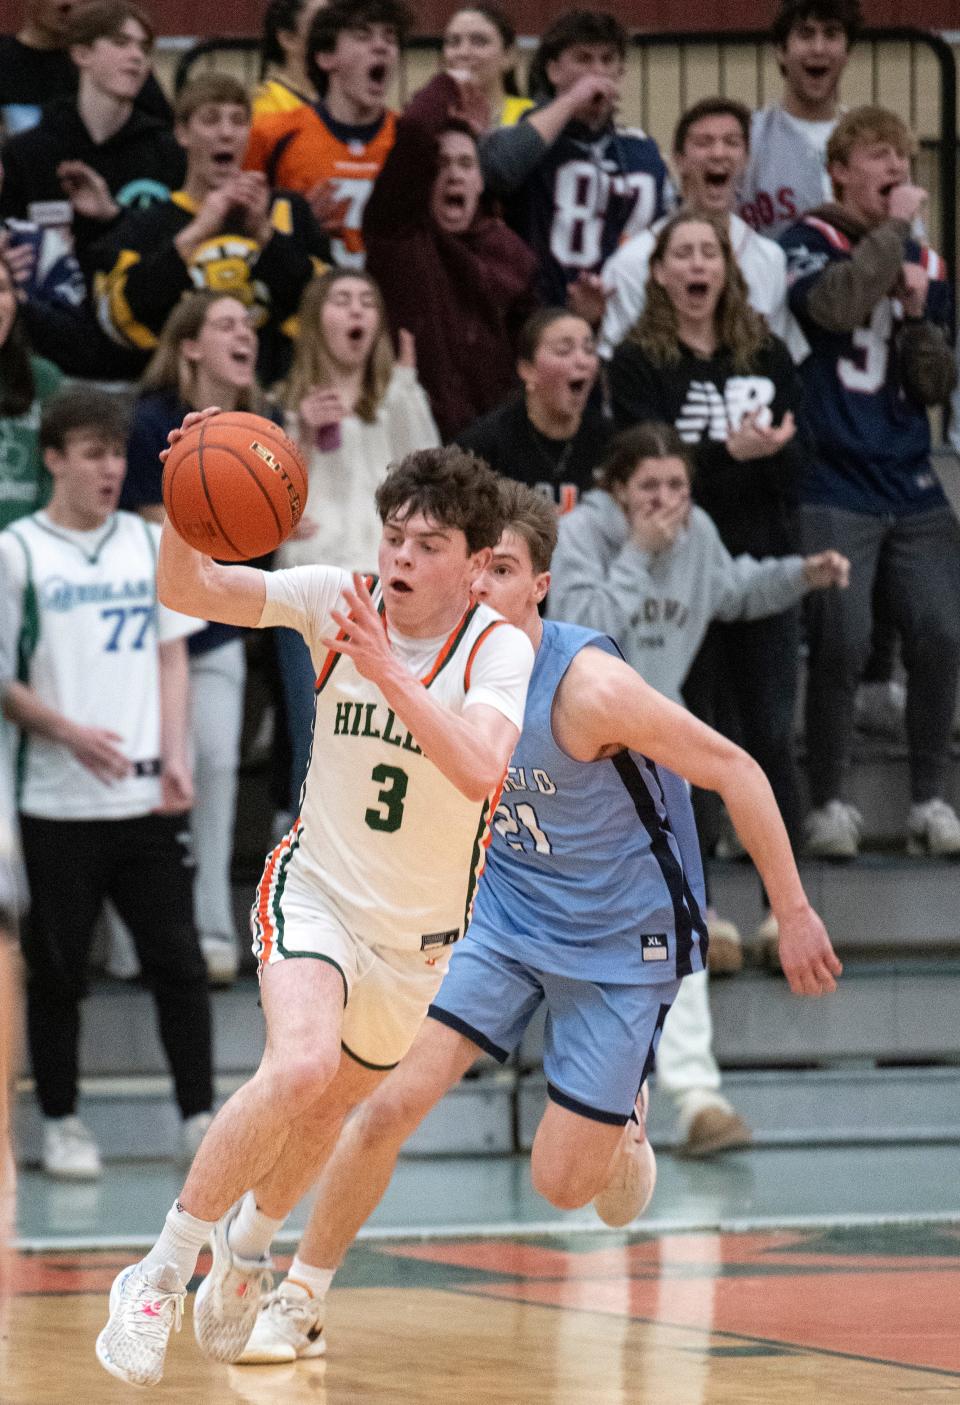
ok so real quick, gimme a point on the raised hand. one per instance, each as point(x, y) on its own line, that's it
point(906, 201)
point(366, 637)
point(586, 298)
point(753, 441)
point(193, 418)
point(327, 206)
point(87, 190)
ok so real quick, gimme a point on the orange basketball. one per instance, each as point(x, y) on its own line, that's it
point(234, 486)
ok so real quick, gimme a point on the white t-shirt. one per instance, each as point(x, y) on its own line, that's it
point(386, 840)
point(87, 625)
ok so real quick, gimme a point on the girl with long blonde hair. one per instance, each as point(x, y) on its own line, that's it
point(354, 408)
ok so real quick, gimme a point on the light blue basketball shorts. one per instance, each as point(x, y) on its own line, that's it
point(600, 1040)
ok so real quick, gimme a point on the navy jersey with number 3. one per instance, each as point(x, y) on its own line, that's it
point(871, 442)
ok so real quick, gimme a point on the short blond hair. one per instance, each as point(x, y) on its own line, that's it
point(862, 125)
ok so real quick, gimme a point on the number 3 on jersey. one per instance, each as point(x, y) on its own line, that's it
point(391, 797)
point(524, 825)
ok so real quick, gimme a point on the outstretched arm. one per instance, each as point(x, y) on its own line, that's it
point(196, 585)
point(603, 704)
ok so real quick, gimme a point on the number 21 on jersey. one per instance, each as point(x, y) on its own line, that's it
point(519, 826)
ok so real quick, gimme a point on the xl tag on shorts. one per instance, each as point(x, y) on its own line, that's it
point(655, 947)
point(431, 939)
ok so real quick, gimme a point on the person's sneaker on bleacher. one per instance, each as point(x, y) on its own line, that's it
point(880, 709)
point(289, 1327)
point(933, 828)
point(725, 947)
point(69, 1150)
point(833, 831)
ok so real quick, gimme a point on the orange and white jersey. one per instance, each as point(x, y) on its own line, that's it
point(387, 839)
point(297, 150)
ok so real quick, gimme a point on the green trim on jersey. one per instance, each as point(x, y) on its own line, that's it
point(27, 640)
point(93, 560)
point(457, 641)
point(325, 672)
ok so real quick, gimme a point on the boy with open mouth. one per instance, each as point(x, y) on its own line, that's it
point(333, 150)
point(787, 174)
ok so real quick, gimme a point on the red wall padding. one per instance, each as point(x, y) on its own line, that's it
point(532, 16)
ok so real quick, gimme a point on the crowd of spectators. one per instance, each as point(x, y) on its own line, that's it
point(720, 373)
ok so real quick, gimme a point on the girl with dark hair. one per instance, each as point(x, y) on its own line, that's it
point(478, 46)
point(550, 435)
point(284, 83)
point(701, 359)
point(26, 383)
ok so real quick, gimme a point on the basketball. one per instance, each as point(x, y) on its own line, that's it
point(234, 486)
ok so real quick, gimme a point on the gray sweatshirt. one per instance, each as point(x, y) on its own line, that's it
point(657, 605)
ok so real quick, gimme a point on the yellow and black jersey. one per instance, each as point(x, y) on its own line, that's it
point(139, 276)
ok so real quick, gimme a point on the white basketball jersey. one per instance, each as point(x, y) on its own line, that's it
point(388, 840)
point(88, 626)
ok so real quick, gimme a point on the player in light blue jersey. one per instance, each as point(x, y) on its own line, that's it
point(591, 903)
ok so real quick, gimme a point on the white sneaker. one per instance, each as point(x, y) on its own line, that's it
point(933, 828)
point(634, 1173)
point(768, 940)
point(289, 1326)
point(725, 945)
point(880, 709)
point(220, 954)
point(833, 831)
point(145, 1304)
point(227, 1300)
point(69, 1150)
point(192, 1132)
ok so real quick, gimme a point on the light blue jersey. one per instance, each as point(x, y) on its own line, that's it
point(593, 871)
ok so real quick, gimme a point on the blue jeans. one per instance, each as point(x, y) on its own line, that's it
point(297, 680)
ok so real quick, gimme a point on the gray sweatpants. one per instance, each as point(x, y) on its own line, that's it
point(917, 561)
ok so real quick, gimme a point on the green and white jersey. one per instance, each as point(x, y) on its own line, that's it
point(388, 841)
point(88, 626)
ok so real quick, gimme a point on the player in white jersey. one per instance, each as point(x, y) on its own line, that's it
point(591, 834)
point(361, 901)
point(100, 696)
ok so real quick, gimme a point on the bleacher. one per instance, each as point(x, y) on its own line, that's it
point(878, 1061)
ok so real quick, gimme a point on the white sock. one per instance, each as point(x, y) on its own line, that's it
point(316, 1280)
point(180, 1243)
point(252, 1232)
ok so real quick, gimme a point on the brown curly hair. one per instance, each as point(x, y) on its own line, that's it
point(451, 487)
point(740, 330)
